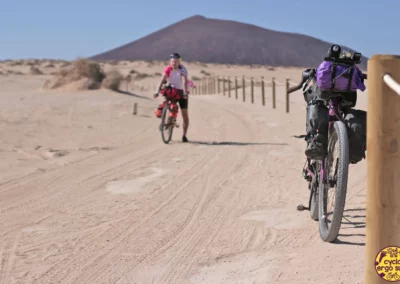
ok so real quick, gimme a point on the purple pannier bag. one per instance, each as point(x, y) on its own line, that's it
point(324, 77)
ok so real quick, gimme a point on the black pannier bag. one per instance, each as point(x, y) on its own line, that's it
point(356, 121)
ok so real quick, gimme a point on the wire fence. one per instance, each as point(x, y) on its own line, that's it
point(238, 87)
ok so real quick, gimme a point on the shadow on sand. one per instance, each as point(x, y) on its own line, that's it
point(228, 143)
point(352, 219)
point(132, 95)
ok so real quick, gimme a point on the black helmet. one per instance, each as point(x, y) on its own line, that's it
point(175, 55)
point(334, 51)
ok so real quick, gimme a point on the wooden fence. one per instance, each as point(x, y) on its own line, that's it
point(236, 87)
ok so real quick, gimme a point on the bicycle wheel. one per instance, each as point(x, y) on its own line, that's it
point(332, 194)
point(166, 126)
point(313, 187)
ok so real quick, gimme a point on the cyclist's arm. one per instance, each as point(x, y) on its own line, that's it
point(184, 73)
point(185, 83)
point(163, 78)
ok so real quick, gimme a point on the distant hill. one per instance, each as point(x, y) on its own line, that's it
point(226, 42)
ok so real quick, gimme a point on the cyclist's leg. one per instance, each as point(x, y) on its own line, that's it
point(183, 104)
point(317, 124)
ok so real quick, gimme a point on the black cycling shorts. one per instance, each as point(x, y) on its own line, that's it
point(183, 103)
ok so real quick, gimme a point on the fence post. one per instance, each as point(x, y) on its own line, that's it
point(287, 95)
point(244, 88)
point(252, 90)
point(229, 87)
point(219, 88)
point(134, 108)
point(128, 80)
point(213, 85)
point(236, 88)
point(262, 91)
point(223, 85)
point(273, 94)
point(383, 163)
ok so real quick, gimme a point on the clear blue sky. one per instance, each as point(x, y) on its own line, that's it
point(68, 29)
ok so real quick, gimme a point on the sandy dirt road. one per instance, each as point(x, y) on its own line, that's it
point(90, 194)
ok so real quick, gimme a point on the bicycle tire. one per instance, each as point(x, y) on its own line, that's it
point(314, 201)
point(164, 116)
point(329, 233)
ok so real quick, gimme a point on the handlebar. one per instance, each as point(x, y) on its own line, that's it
point(295, 88)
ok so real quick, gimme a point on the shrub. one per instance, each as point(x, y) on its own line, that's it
point(205, 73)
point(113, 80)
point(91, 70)
point(194, 78)
point(140, 76)
point(35, 71)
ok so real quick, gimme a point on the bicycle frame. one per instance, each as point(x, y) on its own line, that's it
point(170, 103)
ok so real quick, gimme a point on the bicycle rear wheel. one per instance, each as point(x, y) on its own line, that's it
point(332, 193)
point(166, 125)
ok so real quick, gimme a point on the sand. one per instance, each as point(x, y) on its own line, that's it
point(90, 194)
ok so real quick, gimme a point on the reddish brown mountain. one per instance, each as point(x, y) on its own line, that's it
point(220, 41)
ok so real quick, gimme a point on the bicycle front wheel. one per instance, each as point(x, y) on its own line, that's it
point(332, 193)
point(166, 125)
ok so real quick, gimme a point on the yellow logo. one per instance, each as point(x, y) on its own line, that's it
point(387, 264)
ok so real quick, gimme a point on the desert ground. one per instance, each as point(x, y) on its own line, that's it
point(90, 194)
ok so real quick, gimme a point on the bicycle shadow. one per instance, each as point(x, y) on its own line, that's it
point(230, 143)
point(132, 95)
point(353, 219)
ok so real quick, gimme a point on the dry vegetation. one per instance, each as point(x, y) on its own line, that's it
point(84, 75)
point(138, 75)
point(35, 71)
point(205, 73)
point(195, 78)
point(113, 80)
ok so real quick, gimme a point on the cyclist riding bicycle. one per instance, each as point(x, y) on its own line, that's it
point(176, 75)
point(335, 74)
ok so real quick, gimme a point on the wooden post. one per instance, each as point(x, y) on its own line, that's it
point(262, 91)
point(229, 87)
point(287, 95)
point(134, 108)
point(219, 88)
point(252, 90)
point(128, 80)
point(223, 85)
point(212, 85)
point(273, 94)
point(236, 88)
point(208, 86)
point(244, 88)
point(383, 163)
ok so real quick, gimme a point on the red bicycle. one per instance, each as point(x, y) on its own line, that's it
point(169, 112)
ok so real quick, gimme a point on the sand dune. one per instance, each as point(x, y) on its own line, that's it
point(90, 194)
